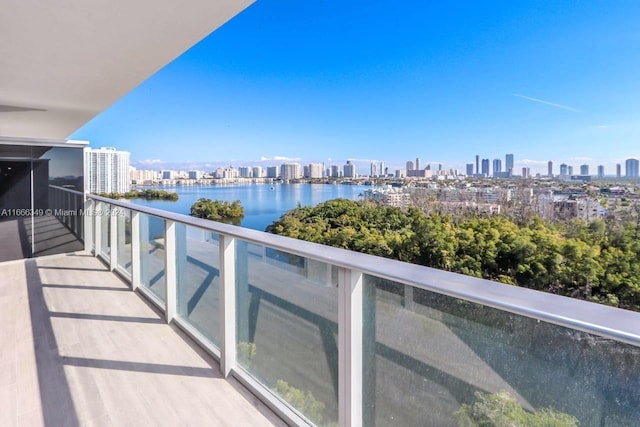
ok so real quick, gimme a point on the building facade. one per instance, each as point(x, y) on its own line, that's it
point(107, 170)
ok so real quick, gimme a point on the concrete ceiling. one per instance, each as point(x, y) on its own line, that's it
point(64, 61)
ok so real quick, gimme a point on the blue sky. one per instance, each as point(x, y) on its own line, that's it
point(329, 80)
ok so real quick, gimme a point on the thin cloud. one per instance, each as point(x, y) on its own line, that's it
point(542, 101)
point(533, 162)
point(148, 162)
point(278, 158)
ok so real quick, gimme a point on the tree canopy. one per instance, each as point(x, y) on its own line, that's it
point(597, 261)
point(216, 210)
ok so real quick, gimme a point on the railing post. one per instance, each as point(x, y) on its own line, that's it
point(408, 297)
point(350, 299)
point(135, 250)
point(170, 269)
point(113, 237)
point(89, 219)
point(227, 303)
point(97, 214)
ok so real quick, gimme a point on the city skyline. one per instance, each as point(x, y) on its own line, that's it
point(487, 167)
point(326, 80)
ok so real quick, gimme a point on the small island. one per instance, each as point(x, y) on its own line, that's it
point(143, 194)
point(216, 210)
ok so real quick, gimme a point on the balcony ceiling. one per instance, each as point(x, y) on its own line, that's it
point(64, 61)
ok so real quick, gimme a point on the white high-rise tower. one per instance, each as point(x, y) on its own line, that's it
point(107, 170)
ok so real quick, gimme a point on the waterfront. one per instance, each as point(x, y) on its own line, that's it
point(263, 203)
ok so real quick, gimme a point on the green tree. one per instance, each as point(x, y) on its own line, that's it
point(216, 210)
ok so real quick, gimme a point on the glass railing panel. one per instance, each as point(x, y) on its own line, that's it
point(198, 281)
point(152, 255)
point(124, 239)
point(287, 328)
point(436, 360)
point(104, 216)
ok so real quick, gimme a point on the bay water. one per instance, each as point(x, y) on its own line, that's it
point(263, 203)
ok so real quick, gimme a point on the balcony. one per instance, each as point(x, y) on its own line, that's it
point(319, 335)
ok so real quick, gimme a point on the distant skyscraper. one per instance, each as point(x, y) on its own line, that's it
point(564, 170)
point(485, 167)
point(584, 170)
point(257, 172)
point(570, 170)
point(508, 164)
point(631, 168)
point(316, 170)
point(382, 169)
point(272, 171)
point(409, 166)
point(349, 170)
point(374, 170)
point(289, 171)
point(601, 171)
point(245, 172)
point(477, 164)
point(107, 170)
point(526, 173)
point(550, 169)
point(497, 167)
point(335, 171)
point(469, 169)
point(618, 170)
point(418, 163)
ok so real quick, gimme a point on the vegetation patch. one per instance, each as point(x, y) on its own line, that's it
point(502, 409)
point(597, 261)
point(143, 194)
point(216, 210)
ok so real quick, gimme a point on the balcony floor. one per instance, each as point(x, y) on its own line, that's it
point(77, 347)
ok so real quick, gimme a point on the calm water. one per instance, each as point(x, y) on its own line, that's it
point(263, 203)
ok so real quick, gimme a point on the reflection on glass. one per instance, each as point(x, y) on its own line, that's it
point(40, 213)
point(105, 228)
point(152, 268)
point(124, 239)
point(287, 328)
point(198, 282)
point(436, 360)
point(58, 224)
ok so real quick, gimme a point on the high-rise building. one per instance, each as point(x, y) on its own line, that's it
point(290, 171)
point(335, 171)
point(316, 170)
point(272, 171)
point(631, 168)
point(257, 172)
point(564, 170)
point(497, 168)
point(107, 170)
point(477, 164)
point(418, 163)
point(409, 165)
point(526, 173)
point(570, 170)
point(508, 163)
point(349, 170)
point(550, 169)
point(374, 170)
point(485, 167)
point(601, 171)
point(469, 169)
point(382, 169)
point(244, 172)
point(584, 170)
point(618, 170)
